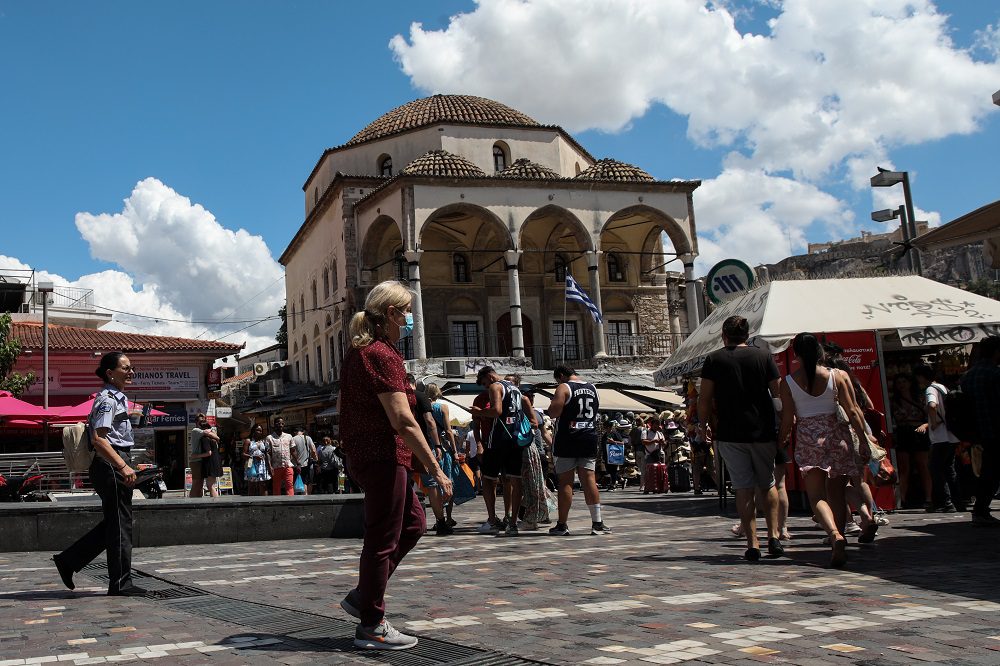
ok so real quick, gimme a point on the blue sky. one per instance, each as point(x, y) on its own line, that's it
point(228, 105)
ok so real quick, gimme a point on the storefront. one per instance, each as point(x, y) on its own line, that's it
point(885, 326)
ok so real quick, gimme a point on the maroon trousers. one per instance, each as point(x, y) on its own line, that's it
point(394, 522)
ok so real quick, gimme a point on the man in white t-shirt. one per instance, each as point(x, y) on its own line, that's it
point(944, 478)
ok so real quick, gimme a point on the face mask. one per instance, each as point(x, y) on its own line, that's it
point(406, 330)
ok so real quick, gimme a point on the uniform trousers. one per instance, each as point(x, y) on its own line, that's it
point(114, 533)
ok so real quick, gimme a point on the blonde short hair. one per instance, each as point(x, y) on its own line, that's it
point(368, 324)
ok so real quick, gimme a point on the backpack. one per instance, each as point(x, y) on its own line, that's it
point(523, 435)
point(77, 450)
point(328, 460)
point(960, 415)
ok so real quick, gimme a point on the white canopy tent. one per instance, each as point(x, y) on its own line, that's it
point(916, 311)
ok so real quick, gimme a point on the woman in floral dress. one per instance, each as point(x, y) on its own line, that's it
point(823, 448)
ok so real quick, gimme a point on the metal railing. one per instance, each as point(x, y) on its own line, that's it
point(53, 466)
point(642, 345)
point(74, 298)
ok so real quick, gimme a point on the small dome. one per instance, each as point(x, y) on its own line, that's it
point(525, 168)
point(609, 169)
point(443, 163)
point(464, 109)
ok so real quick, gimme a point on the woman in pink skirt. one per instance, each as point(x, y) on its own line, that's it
point(823, 448)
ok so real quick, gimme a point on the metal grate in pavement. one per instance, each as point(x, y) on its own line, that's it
point(319, 631)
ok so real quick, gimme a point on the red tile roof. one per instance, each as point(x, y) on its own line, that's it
point(243, 375)
point(72, 338)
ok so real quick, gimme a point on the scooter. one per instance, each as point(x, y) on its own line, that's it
point(150, 482)
point(24, 487)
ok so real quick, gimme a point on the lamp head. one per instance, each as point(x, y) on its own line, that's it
point(885, 215)
point(886, 178)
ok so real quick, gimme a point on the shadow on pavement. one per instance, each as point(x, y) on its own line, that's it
point(42, 595)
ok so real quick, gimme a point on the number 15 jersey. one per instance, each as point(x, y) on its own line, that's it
point(576, 435)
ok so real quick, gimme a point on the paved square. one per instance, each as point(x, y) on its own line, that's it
point(669, 586)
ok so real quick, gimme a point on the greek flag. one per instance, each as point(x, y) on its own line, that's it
point(574, 293)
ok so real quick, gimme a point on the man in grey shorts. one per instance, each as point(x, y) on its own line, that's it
point(739, 385)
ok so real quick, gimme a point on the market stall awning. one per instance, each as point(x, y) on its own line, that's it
point(327, 413)
point(979, 225)
point(656, 395)
point(923, 312)
point(457, 414)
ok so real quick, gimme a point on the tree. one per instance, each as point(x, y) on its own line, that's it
point(10, 350)
point(282, 335)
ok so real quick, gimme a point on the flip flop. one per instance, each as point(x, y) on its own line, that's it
point(839, 558)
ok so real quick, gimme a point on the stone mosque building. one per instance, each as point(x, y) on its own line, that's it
point(485, 212)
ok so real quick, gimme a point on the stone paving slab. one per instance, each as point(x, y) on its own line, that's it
point(669, 586)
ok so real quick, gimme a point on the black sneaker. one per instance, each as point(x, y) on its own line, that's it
point(560, 529)
point(65, 572)
point(599, 528)
point(442, 528)
point(774, 547)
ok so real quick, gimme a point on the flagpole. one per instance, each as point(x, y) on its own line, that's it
point(565, 304)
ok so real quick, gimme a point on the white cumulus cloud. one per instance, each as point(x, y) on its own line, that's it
point(175, 261)
point(823, 94)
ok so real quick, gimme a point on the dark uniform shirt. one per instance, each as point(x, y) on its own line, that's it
point(505, 427)
point(576, 436)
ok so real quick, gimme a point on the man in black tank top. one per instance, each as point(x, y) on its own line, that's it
point(575, 405)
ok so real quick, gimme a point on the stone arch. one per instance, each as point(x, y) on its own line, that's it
point(378, 249)
point(643, 218)
point(463, 223)
point(315, 331)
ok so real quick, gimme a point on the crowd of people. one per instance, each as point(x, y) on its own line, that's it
point(526, 461)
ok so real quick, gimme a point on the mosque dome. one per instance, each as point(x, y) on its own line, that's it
point(443, 163)
point(609, 169)
point(460, 109)
point(525, 168)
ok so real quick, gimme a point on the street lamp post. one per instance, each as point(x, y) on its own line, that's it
point(886, 178)
point(45, 288)
point(891, 214)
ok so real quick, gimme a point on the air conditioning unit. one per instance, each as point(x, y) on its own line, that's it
point(454, 367)
point(275, 387)
point(260, 369)
point(274, 365)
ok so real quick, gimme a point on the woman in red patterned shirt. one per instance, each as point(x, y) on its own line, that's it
point(380, 436)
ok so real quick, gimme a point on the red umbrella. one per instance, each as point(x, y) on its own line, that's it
point(82, 410)
point(11, 407)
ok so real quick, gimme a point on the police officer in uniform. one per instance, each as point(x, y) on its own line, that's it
point(113, 479)
point(575, 404)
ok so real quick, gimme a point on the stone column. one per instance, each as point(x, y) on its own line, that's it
point(594, 268)
point(691, 292)
point(511, 259)
point(673, 307)
point(419, 344)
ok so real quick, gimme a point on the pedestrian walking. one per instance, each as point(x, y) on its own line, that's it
point(282, 452)
point(381, 437)
point(944, 477)
point(736, 407)
point(912, 446)
point(575, 405)
point(823, 444)
point(257, 466)
point(982, 383)
point(200, 451)
point(330, 466)
point(110, 430)
point(305, 457)
point(534, 494)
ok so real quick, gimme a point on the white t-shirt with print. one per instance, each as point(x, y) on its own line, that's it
point(471, 445)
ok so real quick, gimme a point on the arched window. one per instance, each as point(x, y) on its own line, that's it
point(461, 267)
point(560, 270)
point(385, 166)
point(313, 292)
point(292, 318)
point(295, 348)
point(333, 278)
point(501, 156)
point(326, 283)
point(329, 321)
point(302, 307)
point(577, 168)
point(616, 272)
point(399, 267)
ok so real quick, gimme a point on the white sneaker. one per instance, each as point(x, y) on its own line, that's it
point(488, 528)
point(852, 529)
point(383, 636)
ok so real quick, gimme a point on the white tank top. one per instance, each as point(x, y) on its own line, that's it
point(807, 405)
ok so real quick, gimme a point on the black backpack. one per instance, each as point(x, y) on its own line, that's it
point(960, 415)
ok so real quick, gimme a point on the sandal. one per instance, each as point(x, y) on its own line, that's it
point(868, 533)
point(839, 558)
point(737, 530)
point(786, 535)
